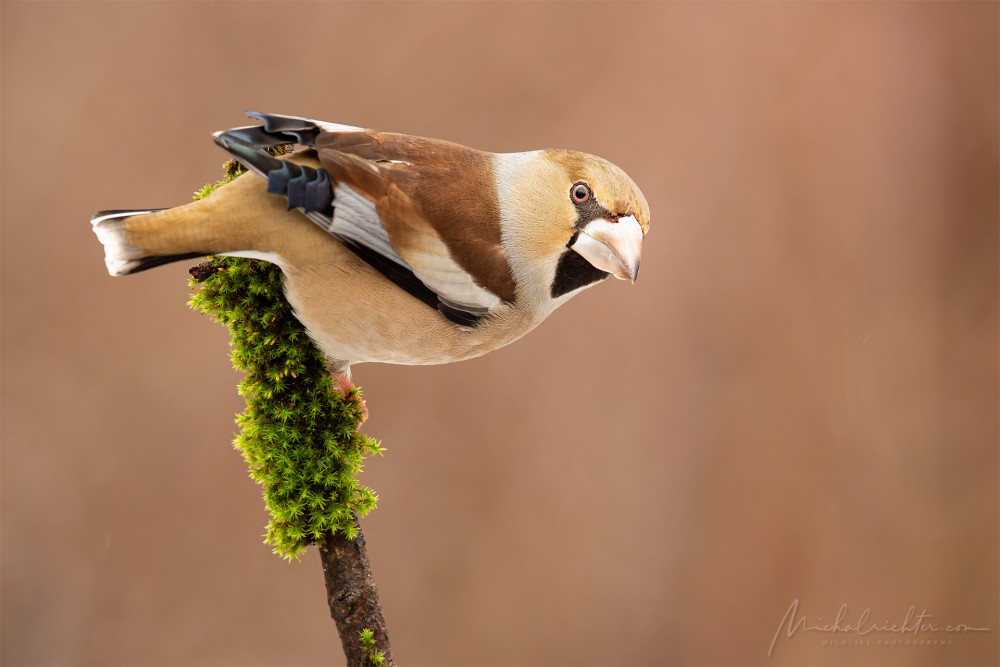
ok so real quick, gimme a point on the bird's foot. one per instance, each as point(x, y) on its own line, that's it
point(344, 385)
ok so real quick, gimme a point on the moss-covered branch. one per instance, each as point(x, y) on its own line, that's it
point(300, 438)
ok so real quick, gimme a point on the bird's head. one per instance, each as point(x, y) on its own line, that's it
point(569, 220)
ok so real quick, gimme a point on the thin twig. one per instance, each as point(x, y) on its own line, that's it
point(354, 603)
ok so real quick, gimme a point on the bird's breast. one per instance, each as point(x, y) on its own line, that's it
point(355, 314)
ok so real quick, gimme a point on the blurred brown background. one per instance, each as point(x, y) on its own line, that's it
point(798, 400)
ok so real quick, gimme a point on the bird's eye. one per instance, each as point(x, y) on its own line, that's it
point(580, 193)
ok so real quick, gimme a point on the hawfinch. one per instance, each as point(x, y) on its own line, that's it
point(401, 249)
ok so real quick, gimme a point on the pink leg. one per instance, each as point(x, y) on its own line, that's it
point(344, 384)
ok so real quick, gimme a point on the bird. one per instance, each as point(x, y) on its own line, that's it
point(396, 248)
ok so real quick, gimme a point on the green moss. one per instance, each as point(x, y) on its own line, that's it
point(298, 435)
point(376, 658)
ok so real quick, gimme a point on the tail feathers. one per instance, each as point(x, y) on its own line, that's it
point(121, 257)
point(127, 242)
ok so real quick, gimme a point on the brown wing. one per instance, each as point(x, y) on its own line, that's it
point(436, 201)
point(422, 212)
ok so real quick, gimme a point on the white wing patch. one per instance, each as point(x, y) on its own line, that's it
point(355, 219)
point(434, 266)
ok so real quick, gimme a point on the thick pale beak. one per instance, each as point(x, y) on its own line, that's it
point(615, 247)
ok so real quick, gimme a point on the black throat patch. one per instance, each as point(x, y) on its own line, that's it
point(574, 272)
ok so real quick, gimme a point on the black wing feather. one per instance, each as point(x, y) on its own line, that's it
point(311, 190)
